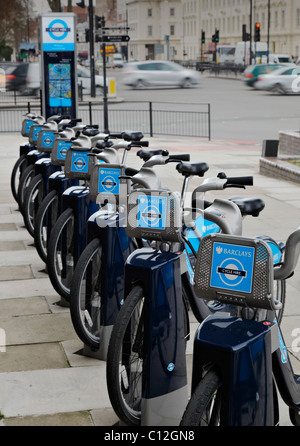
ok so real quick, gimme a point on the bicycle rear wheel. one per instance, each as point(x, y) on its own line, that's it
point(45, 219)
point(85, 294)
point(60, 259)
point(204, 406)
point(124, 363)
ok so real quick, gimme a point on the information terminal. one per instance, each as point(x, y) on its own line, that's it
point(59, 74)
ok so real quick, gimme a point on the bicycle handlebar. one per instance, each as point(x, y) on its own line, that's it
point(291, 256)
point(238, 182)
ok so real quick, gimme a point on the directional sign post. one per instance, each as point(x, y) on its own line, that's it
point(123, 38)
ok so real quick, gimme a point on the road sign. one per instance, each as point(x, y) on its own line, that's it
point(123, 38)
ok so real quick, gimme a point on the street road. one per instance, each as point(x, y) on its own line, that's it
point(238, 112)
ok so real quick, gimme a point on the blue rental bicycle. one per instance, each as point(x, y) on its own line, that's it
point(146, 368)
point(240, 360)
point(97, 285)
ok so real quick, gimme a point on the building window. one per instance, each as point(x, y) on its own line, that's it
point(149, 30)
point(149, 12)
point(172, 30)
point(172, 12)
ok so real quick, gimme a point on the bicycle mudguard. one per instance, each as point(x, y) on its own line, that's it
point(164, 394)
point(242, 352)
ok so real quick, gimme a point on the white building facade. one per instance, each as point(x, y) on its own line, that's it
point(183, 21)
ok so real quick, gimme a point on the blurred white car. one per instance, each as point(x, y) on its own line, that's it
point(158, 73)
point(84, 78)
point(282, 81)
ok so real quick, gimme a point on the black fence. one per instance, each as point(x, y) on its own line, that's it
point(152, 118)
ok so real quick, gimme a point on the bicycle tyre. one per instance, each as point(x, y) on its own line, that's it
point(16, 175)
point(61, 284)
point(33, 197)
point(85, 302)
point(203, 408)
point(25, 180)
point(124, 388)
point(41, 223)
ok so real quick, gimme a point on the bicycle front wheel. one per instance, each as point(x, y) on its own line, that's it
point(85, 294)
point(60, 259)
point(124, 363)
point(19, 166)
point(24, 182)
point(204, 406)
point(33, 198)
point(46, 216)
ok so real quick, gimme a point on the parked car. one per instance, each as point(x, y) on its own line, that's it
point(24, 77)
point(118, 61)
point(282, 81)
point(252, 72)
point(158, 73)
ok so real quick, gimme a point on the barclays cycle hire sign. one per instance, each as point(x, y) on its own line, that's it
point(232, 267)
point(58, 33)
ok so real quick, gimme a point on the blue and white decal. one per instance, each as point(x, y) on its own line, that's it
point(62, 148)
point(80, 162)
point(109, 181)
point(35, 134)
point(152, 212)
point(48, 139)
point(232, 267)
point(28, 124)
point(58, 34)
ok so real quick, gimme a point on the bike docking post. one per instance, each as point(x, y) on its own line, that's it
point(237, 271)
point(156, 216)
point(106, 186)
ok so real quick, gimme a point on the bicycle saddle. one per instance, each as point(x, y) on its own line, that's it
point(187, 169)
point(129, 135)
point(249, 206)
point(103, 144)
point(145, 155)
point(90, 132)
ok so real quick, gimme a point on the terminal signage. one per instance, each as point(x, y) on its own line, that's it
point(59, 75)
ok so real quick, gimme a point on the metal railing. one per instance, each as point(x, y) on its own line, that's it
point(152, 118)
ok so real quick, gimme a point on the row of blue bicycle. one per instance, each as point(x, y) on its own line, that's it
point(134, 259)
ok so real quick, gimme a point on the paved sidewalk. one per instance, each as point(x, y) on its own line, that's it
point(44, 377)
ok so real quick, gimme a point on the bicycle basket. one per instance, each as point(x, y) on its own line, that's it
point(105, 180)
point(26, 124)
point(34, 133)
point(46, 140)
point(235, 270)
point(154, 215)
point(59, 151)
point(77, 163)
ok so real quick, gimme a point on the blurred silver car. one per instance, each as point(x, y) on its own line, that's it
point(282, 81)
point(158, 73)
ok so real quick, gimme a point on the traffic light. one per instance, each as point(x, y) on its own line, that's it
point(215, 37)
point(246, 36)
point(99, 22)
point(203, 37)
point(257, 32)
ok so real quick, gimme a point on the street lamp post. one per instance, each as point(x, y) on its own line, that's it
point(268, 38)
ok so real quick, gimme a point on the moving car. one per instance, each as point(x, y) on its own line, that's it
point(252, 72)
point(84, 79)
point(282, 81)
point(158, 73)
point(24, 77)
point(118, 61)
